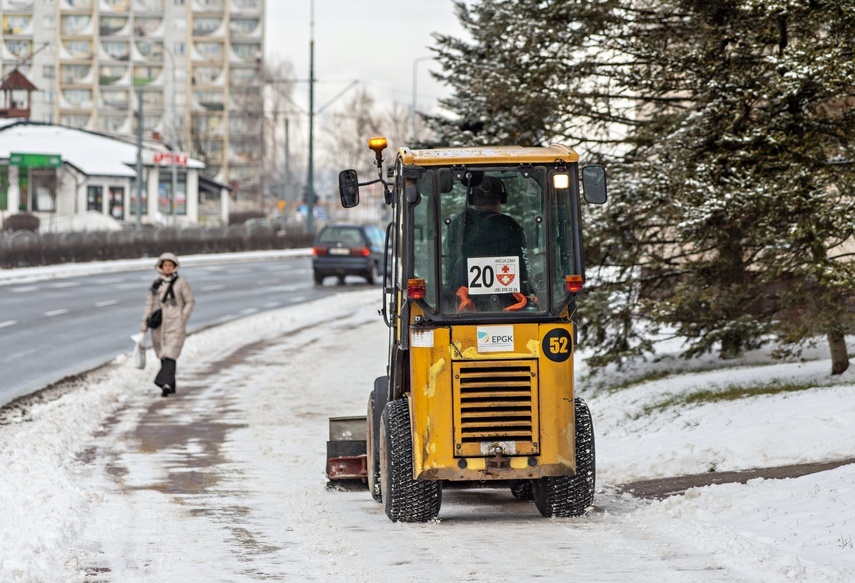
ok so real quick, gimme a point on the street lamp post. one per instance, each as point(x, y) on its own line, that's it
point(174, 141)
point(415, 78)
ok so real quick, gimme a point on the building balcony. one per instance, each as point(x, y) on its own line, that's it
point(148, 26)
point(75, 49)
point(75, 120)
point(115, 5)
point(246, 53)
point(17, 24)
point(114, 75)
point(17, 6)
point(245, 28)
point(209, 27)
point(210, 52)
point(147, 6)
point(209, 5)
point(114, 25)
point(246, 6)
point(76, 25)
point(17, 49)
point(76, 5)
point(116, 50)
point(144, 75)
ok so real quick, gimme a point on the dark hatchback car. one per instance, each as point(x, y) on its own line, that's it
point(341, 250)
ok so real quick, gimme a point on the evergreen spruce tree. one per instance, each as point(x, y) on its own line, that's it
point(731, 195)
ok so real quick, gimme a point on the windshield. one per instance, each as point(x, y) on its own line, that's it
point(481, 240)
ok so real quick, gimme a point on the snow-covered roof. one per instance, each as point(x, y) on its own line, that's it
point(92, 154)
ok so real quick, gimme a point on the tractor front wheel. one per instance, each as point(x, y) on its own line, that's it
point(565, 496)
point(404, 499)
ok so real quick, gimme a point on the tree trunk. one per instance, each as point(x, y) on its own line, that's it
point(839, 355)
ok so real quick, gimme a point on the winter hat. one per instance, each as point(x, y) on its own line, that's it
point(166, 257)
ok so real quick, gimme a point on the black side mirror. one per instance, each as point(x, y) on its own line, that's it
point(348, 188)
point(594, 184)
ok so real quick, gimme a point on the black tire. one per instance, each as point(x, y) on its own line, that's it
point(373, 275)
point(373, 461)
point(404, 499)
point(566, 496)
point(319, 278)
point(523, 490)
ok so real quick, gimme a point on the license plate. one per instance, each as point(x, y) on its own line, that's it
point(339, 251)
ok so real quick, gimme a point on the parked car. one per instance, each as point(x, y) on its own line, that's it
point(348, 249)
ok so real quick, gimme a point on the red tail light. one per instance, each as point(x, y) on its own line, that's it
point(364, 251)
point(319, 250)
point(416, 289)
point(573, 283)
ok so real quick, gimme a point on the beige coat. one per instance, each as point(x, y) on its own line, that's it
point(168, 339)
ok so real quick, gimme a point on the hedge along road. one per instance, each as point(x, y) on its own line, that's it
point(61, 321)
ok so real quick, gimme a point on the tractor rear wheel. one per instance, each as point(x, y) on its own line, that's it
point(404, 499)
point(371, 451)
point(564, 496)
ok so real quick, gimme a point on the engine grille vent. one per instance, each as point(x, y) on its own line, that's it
point(495, 402)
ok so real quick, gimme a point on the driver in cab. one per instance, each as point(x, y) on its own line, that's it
point(500, 281)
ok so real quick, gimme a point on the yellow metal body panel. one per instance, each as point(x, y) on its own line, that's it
point(469, 397)
point(488, 155)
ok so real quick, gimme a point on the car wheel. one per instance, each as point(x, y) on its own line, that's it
point(373, 275)
point(319, 278)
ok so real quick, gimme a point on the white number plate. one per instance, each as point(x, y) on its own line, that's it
point(493, 275)
point(339, 251)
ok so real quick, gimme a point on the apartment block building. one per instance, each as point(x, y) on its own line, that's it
point(196, 64)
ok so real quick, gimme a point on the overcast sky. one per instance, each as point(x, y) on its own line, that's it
point(373, 41)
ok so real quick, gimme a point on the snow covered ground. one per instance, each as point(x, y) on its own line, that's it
point(104, 480)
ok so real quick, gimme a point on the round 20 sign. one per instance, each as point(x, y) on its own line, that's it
point(557, 345)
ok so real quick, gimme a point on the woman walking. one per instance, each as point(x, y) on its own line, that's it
point(172, 297)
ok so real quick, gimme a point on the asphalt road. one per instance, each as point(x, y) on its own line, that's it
point(53, 329)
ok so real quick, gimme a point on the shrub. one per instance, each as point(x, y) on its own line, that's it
point(21, 222)
point(239, 217)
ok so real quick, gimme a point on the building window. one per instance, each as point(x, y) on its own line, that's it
point(132, 210)
point(44, 189)
point(164, 200)
point(4, 188)
point(178, 49)
point(95, 198)
point(117, 202)
point(49, 71)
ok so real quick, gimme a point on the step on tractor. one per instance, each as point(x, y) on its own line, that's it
point(487, 266)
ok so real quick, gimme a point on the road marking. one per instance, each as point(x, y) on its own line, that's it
point(20, 290)
point(213, 287)
point(67, 284)
point(104, 280)
point(272, 304)
point(267, 281)
point(56, 312)
point(297, 299)
point(8, 323)
point(106, 303)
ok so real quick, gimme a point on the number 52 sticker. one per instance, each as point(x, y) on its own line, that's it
point(557, 345)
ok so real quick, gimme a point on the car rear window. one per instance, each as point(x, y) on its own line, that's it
point(343, 235)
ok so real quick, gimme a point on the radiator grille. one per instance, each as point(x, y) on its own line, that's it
point(496, 402)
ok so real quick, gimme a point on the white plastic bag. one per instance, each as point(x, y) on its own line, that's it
point(139, 350)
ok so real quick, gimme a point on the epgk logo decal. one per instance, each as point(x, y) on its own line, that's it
point(495, 338)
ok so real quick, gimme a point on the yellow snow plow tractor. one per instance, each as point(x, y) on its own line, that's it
point(481, 303)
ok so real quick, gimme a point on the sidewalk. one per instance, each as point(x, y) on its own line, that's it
point(42, 273)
